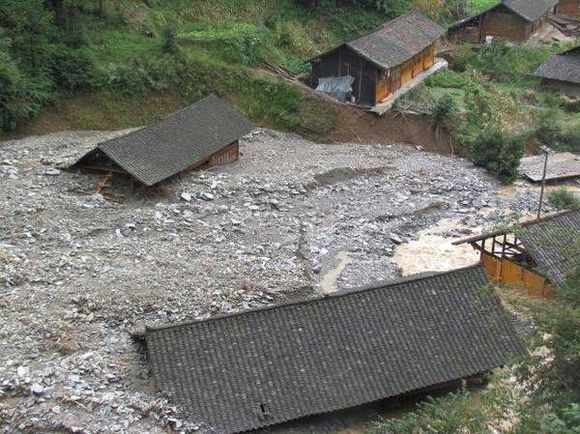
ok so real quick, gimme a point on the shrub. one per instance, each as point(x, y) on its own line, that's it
point(563, 198)
point(453, 413)
point(551, 130)
point(570, 104)
point(498, 153)
point(169, 44)
point(509, 62)
point(443, 109)
point(74, 68)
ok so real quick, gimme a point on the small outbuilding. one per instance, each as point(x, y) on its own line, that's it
point(536, 255)
point(562, 72)
point(206, 133)
point(382, 61)
point(243, 371)
point(509, 20)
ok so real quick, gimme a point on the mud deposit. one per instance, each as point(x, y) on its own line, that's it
point(80, 267)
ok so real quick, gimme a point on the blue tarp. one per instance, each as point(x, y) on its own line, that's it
point(338, 87)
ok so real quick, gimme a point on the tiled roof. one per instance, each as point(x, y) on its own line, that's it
point(554, 243)
point(262, 367)
point(396, 41)
point(563, 67)
point(531, 10)
point(168, 147)
point(561, 165)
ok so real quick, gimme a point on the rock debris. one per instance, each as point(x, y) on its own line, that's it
point(81, 267)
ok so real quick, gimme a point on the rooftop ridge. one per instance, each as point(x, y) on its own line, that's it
point(317, 298)
point(170, 115)
point(514, 225)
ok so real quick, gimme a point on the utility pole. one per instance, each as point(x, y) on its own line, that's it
point(547, 151)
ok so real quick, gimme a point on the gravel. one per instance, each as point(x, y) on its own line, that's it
point(81, 267)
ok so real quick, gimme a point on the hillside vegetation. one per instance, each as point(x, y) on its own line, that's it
point(493, 105)
point(92, 64)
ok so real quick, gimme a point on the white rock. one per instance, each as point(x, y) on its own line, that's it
point(36, 389)
point(185, 196)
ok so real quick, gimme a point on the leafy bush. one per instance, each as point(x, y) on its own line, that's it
point(450, 414)
point(553, 131)
point(508, 62)
point(570, 104)
point(169, 44)
point(498, 153)
point(292, 35)
point(563, 198)
point(443, 109)
point(74, 68)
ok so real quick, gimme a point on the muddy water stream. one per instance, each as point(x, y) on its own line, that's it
point(434, 251)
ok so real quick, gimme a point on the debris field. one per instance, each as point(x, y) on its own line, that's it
point(82, 267)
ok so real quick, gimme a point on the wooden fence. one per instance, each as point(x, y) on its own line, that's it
point(505, 271)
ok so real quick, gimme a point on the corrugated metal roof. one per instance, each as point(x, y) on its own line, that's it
point(262, 367)
point(563, 67)
point(531, 10)
point(184, 138)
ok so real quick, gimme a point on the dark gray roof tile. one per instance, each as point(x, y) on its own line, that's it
point(554, 242)
point(177, 142)
point(531, 10)
point(398, 40)
point(563, 67)
point(334, 352)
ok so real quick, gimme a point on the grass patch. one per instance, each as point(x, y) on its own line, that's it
point(563, 198)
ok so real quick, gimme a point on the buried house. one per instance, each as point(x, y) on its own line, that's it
point(205, 133)
point(510, 20)
point(242, 371)
point(536, 255)
point(562, 72)
point(376, 65)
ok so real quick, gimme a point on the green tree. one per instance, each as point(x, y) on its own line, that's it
point(498, 153)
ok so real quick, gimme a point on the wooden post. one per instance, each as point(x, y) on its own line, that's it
point(503, 247)
point(543, 184)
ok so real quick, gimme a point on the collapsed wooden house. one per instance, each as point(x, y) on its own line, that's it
point(242, 371)
point(510, 20)
point(382, 61)
point(536, 255)
point(206, 133)
point(562, 72)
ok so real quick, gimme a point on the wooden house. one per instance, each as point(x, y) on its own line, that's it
point(535, 255)
point(509, 20)
point(247, 370)
point(384, 60)
point(204, 134)
point(562, 72)
point(569, 7)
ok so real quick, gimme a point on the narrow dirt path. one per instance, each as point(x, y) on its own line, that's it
point(328, 283)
